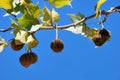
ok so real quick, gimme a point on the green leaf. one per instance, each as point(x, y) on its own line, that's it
point(27, 1)
point(33, 10)
point(60, 3)
point(17, 28)
point(36, 12)
point(3, 44)
point(6, 4)
point(99, 4)
point(89, 32)
point(18, 8)
point(20, 5)
point(81, 28)
point(30, 16)
point(30, 12)
point(27, 20)
point(49, 17)
point(76, 17)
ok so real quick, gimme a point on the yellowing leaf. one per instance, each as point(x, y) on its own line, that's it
point(89, 32)
point(55, 16)
point(14, 6)
point(49, 17)
point(15, 2)
point(22, 36)
point(81, 28)
point(99, 3)
point(60, 3)
point(26, 38)
point(75, 30)
point(3, 44)
point(31, 42)
point(46, 13)
point(36, 27)
point(6, 4)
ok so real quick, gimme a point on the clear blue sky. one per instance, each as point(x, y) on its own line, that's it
point(79, 60)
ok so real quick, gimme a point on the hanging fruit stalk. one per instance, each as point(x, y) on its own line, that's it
point(57, 45)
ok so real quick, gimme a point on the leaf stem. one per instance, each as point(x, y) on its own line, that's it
point(56, 32)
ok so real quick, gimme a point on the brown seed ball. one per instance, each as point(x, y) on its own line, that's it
point(34, 57)
point(57, 45)
point(16, 46)
point(104, 32)
point(25, 60)
point(28, 58)
point(98, 40)
point(101, 37)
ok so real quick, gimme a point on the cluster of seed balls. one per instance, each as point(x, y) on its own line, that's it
point(29, 58)
point(57, 45)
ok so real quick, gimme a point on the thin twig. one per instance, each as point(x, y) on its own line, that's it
point(5, 30)
point(73, 24)
point(106, 13)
